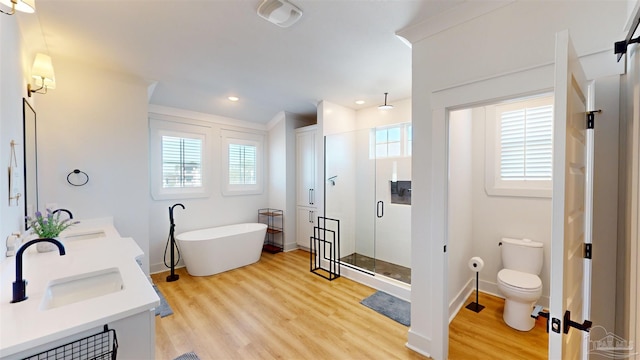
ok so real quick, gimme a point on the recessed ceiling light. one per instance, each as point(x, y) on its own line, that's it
point(359, 102)
point(233, 98)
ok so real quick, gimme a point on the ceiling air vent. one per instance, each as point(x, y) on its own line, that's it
point(279, 12)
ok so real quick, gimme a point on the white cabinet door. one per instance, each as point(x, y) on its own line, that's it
point(306, 167)
point(306, 218)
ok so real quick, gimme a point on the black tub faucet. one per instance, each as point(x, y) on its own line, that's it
point(20, 285)
point(64, 210)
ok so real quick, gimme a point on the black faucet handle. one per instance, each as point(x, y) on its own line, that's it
point(19, 291)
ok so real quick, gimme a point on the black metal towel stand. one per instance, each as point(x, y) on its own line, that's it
point(173, 276)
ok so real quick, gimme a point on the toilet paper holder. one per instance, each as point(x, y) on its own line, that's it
point(476, 264)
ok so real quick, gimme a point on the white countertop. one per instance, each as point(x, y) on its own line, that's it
point(25, 325)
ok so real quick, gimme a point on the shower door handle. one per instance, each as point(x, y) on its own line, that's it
point(380, 209)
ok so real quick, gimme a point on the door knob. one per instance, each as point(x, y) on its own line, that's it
point(585, 326)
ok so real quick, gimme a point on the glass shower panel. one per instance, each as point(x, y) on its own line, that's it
point(368, 188)
point(350, 195)
point(393, 217)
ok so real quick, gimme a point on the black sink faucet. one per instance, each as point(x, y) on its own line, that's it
point(64, 210)
point(20, 285)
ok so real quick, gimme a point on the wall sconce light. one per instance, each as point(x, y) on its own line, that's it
point(42, 72)
point(385, 106)
point(27, 6)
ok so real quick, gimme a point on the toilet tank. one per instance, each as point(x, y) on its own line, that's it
point(522, 255)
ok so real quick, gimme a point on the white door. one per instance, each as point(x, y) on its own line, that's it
point(570, 283)
point(306, 167)
point(306, 218)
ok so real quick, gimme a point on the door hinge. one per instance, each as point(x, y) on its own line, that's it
point(588, 251)
point(591, 118)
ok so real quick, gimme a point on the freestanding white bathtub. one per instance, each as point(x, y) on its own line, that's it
point(215, 250)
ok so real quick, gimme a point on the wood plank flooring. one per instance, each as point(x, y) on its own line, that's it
point(277, 309)
point(274, 309)
point(485, 335)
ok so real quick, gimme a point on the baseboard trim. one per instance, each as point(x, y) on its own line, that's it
point(459, 300)
point(418, 343)
point(160, 268)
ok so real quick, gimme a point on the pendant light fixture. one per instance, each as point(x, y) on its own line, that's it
point(385, 106)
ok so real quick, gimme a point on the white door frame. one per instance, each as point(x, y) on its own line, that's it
point(521, 83)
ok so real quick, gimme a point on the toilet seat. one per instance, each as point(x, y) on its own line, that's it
point(519, 280)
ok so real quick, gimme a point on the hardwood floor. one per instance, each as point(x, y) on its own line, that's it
point(484, 335)
point(277, 309)
point(274, 309)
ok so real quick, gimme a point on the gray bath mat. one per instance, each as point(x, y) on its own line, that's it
point(188, 356)
point(164, 309)
point(389, 306)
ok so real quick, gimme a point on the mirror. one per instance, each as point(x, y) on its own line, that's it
point(30, 160)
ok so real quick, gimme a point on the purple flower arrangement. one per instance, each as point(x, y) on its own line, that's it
point(49, 226)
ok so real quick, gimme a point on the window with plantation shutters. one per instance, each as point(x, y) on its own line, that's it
point(525, 143)
point(519, 153)
point(181, 162)
point(178, 154)
point(242, 162)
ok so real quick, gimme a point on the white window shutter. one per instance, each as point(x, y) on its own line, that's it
point(242, 164)
point(526, 144)
point(181, 162)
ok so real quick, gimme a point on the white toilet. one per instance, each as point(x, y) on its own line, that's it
point(519, 281)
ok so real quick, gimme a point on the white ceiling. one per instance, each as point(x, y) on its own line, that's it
point(199, 52)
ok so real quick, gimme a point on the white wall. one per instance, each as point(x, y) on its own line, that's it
point(215, 210)
point(282, 170)
point(605, 200)
point(96, 121)
point(628, 249)
point(517, 36)
point(495, 217)
point(12, 90)
point(461, 235)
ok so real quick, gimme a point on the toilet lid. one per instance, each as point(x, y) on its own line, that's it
point(519, 279)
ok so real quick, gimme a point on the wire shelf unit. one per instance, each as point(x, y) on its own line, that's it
point(101, 346)
point(274, 237)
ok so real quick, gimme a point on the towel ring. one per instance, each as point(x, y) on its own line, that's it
point(78, 183)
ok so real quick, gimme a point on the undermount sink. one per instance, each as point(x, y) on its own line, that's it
point(81, 287)
point(84, 234)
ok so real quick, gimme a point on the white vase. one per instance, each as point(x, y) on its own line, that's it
point(46, 246)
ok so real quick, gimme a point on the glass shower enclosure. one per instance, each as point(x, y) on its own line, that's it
point(368, 188)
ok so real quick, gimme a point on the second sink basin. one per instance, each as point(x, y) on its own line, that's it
point(73, 289)
point(84, 234)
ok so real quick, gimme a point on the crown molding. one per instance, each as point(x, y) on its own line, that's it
point(455, 16)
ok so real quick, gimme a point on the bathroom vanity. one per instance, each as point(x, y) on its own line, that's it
point(98, 282)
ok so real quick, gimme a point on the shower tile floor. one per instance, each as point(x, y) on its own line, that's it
point(387, 269)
